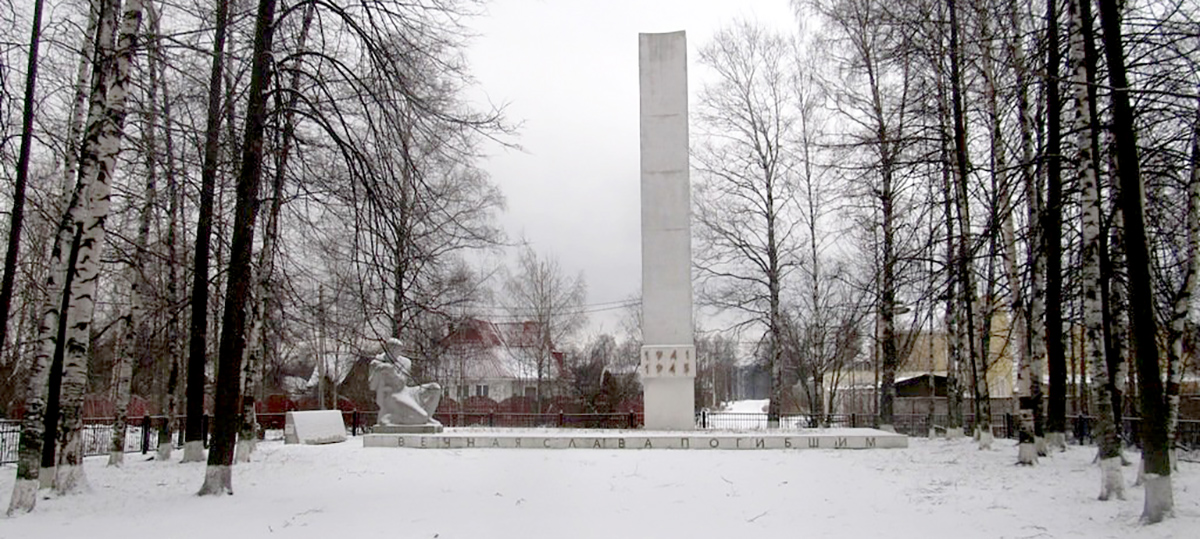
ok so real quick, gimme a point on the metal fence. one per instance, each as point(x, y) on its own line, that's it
point(97, 437)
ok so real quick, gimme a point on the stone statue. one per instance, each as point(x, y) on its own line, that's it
point(399, 403)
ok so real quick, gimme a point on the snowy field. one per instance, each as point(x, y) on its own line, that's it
point(932, 489)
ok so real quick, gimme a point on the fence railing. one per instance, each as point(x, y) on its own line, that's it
point(141, 434)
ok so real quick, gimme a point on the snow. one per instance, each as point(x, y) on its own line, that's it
point(933, 489)
point(748, 406)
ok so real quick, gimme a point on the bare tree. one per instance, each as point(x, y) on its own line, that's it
point(539, 293)
point(1052, 238)
point(17, 216)
point(218, 476)
point(1155, 454)
point(746, 202)
point(193, 451)
point(875, 70)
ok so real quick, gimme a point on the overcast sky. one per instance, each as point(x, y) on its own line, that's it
point(568, 71)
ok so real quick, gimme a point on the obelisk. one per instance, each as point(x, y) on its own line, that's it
point(668, 362)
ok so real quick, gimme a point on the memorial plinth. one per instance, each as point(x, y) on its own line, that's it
point(407, 429)
point(640, 439)
point(668, 363)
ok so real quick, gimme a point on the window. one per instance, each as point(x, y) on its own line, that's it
point(481, 390)
point(464, 392)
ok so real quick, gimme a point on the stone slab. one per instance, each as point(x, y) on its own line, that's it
point(314, 427)
point(407, 429)
point(636, 439)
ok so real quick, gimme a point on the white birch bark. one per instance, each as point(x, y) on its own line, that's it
point(79, 103)
point(62, 262)
point(98, 160)
point(1095, 350)
point(1029, 373)
point(1183, 299)
point(167, 372)
point(134, 321)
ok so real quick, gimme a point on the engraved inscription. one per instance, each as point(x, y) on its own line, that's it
point(667, 361)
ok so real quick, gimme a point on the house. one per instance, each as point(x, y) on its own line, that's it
point(498, 362)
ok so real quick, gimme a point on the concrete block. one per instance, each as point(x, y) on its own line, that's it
point(314, 427)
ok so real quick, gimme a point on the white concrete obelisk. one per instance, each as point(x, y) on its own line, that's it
point(668, 362)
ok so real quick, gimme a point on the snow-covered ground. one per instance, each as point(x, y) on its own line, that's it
point(932, 489)
point(757, 406)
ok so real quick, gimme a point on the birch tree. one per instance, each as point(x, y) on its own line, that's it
point(98, 160)
point(1182, 304)
point(1029, 375)
point(1095, 349)
point(133, 323)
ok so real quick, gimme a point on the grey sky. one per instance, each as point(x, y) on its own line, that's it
point(568, 69)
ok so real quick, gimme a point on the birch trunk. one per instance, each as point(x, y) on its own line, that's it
point(952, 322)
point(79, 103)
point(83, 98)
point(1118, 305)
point(1183, 299)
point(1029, 374)
point(33, 444)
point(1095, 349)
point(167, 373)
point(218, 476)
point(962, 165)
point(135, 320)
point(98, 161)
point(1000, 212)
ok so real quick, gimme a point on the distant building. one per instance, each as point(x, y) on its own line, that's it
point(498, 361)
point(922, 373)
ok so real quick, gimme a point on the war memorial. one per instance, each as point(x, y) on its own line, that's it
point(667, 367)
